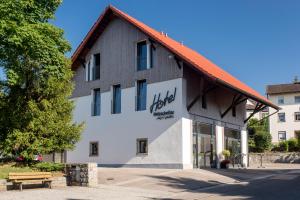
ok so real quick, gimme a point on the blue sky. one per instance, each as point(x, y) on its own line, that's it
point(256, 41)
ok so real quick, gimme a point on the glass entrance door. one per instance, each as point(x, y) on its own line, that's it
point(204, 144)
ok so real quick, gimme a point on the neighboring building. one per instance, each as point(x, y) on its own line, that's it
point(250, 108)
point(149, 101)
point(286, 123)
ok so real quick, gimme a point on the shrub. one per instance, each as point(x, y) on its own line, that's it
point(226, 153)
point(49, 167)
point(283, 146)
point(262, 141)
point(293, 145)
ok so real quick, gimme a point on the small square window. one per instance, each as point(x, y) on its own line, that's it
point(281, 136)
point(297, 116)
point(280, 100)
point(142, 146)
point(297, 99)
point(281, 117)
point(94, 149)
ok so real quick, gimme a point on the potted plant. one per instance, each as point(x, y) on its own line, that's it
point(225, 163)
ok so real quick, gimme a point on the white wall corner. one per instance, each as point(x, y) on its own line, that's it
point(187, 143)
point(244, 147)
point(219, 143)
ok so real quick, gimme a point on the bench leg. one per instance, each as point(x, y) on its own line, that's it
point(21, 186)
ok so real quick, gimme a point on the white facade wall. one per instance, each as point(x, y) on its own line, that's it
point(168, 139)
point(289, 108)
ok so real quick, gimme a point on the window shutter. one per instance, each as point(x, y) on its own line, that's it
point(149, 56)
point(92, 66)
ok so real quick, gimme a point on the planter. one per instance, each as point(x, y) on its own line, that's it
point(224, 164)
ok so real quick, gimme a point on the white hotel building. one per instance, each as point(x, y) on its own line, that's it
point(286, 123)
point(149, 101)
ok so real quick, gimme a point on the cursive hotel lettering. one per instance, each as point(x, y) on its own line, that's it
point(159, 103)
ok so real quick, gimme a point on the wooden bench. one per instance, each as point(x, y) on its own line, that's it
point(31, 177)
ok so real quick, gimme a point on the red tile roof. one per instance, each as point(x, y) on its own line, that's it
point(188, 55)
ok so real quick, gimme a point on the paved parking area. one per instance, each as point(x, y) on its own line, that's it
point(130, 183)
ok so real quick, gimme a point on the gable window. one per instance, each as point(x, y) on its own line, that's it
point(280, 100)
point(96, 68)
point(297, 99)
point(141, 98)
point(144, 55)
point(281, 117)
point(116, 101)
point(281, 136)
point(94, 149)
point(297, 116)
point(142, 146)
point(96, 103)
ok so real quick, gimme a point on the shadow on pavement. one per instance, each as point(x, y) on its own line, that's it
point(274, 184)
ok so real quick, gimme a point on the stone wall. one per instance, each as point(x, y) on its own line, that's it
point(273, 157)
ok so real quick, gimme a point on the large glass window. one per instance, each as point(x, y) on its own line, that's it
point(96, 103)
point(297, 116)
point(96, 69)
point(281, 136)
point(94, 149)
point(141, 99)
point(144, 55)
point(142, 146)
point(116, 102)
point(280, 100)
point(281, 117)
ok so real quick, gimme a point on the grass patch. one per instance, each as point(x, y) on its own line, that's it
point(11, 167)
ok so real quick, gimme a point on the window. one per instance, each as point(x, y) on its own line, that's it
point(141, 98)
point(116, 102)
point(281, 117)
point(297, 99)
point(144, 56)
point(281, 100)
point(281, 135)
point(94, 149)
point(142, 146)
point(96, 103)
point(96, 68)
point(203, 101)
point(297, 116)
point(92, 68)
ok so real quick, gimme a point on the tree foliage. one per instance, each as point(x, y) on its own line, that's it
point(35, 110)
point(259, 137)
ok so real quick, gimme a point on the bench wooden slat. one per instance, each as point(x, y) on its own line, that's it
point(29, 178)
point(28, 173)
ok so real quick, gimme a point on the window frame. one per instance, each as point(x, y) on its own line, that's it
point(90, 149)
point(295, 114)
point(297, 99)
point(282, 132)
point(278, 118)
point(149, 56)
point(138, 147)
point(138, 98)
point(114, 100)
point(279, 100)
point(95, 66)
point(93, 113)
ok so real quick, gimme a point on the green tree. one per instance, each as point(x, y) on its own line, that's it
point(35, 110)
point(259, 137)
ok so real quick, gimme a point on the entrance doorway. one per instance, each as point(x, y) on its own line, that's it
point(204, 145)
